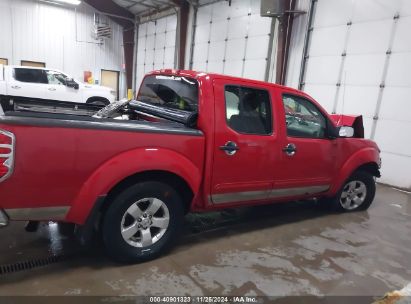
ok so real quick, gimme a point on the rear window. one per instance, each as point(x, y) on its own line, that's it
point(30, 75)
point(172, 92)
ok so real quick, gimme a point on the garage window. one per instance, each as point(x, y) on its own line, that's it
point(248, 110)
point(303, 118)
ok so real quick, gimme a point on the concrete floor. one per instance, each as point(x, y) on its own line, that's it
point(278, 250)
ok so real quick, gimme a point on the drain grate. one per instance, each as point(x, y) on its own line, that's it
point(30, 264)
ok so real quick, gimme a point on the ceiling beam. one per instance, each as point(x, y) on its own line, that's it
point(142, 3)
point(111, 9)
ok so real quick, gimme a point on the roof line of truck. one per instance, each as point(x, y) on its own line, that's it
point(204, 75)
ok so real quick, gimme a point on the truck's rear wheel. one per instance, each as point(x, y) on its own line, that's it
point(142, 222)
point(100, 103)
point(356, 194)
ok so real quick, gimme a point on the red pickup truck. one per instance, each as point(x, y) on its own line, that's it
point(190, 142)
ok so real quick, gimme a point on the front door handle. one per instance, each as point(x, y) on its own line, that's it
point(290, 149)
point(230, 148)
point(51, 89)
point(15, 87)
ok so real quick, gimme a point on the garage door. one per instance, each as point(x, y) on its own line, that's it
point(156, 46)
point(232, 40)
point(359, 58)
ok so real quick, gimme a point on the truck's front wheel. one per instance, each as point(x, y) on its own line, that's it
point(142, 222)
point(356, 194)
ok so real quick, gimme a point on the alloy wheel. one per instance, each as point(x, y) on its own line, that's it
point(145, 222)
point(353, 195)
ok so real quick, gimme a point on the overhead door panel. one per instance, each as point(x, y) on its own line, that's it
point(358, 62)
point(156, 46)
point(233, 40)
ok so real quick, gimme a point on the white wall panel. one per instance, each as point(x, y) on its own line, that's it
point(363, 70)
point(399, 70)
point(323, 92)
point(392, 136)
point(358, 100)
point(332, 12)
point(323, 70)
point(369, 10)
point(328, 41)
point(58, 36)
point(232, 39)
point(156, 46)
point(395, 168)
point(374, 73)
point(361, 42)
point(396, 104)
point(403, 30)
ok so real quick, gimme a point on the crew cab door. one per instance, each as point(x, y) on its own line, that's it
point(25, 82)
point(57, 89)
point(308, 154)
point(245, 150)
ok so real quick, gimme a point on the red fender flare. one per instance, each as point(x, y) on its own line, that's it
point(361, 157)
point(126, 164)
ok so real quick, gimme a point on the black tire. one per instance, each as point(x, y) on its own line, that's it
point(340, 202)
point(66, 229)
point(116, 245)
point(100, 103)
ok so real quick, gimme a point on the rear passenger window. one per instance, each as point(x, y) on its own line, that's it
point(30, 75)
point(248, 110)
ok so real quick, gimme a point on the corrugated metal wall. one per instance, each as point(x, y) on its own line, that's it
point(359, 58)
point(60, 36)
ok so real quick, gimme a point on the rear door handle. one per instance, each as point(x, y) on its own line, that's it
point(51, 89)
point(15, 87)
point(290, 149)
point(230, 148)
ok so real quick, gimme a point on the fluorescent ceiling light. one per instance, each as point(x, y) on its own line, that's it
point(73, 2)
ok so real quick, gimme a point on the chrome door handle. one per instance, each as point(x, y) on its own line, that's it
point(15, 87)
point(51, 89)
point(230, 148)
point(290, 149)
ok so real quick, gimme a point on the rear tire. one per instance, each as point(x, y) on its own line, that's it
point(142, 222)
point(66, 229)
point(356, 194)
point(100, 103)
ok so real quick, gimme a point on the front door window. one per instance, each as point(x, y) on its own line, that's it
point(303, 118)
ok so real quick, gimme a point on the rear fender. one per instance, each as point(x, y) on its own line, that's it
point(127, 164)
point(361, 157)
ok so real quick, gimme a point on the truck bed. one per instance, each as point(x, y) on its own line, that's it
point(56, 154)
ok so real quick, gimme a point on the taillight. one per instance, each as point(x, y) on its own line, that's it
point(7, 144)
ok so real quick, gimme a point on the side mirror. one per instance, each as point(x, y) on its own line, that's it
point(72, 84)
point(345, 132)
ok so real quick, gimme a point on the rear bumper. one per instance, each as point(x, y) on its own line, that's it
point(4, 218)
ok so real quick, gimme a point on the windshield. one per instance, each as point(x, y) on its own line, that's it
point(173, 92)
